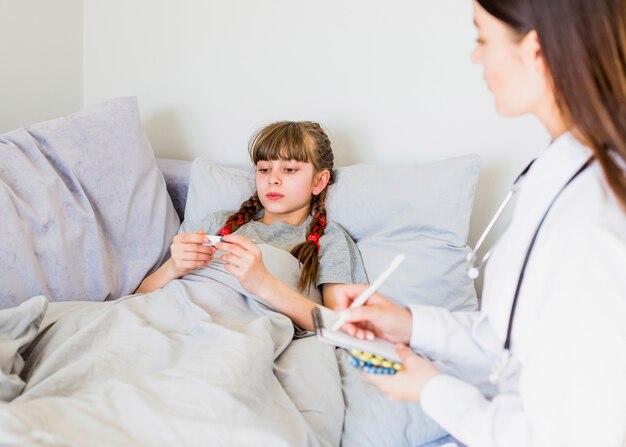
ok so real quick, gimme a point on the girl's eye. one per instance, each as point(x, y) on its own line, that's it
point(290, 170)
point(263, 170)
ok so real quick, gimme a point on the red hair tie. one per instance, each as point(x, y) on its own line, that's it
point(313, 237)
point(224, 231)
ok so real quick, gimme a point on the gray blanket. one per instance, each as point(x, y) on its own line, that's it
point(195, 363)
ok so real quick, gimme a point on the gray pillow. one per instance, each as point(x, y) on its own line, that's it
point(421, 210)
point(86, 214)
point(214, 188)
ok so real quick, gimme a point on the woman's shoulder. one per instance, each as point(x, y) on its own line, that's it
point(588, 224)
point(590, 205)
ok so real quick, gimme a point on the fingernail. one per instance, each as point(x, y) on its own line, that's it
point(369, 336)
point(206, 240)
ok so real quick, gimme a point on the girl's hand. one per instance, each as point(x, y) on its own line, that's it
point(378, 317)
point(244, 260)
point(408, 383)
point(188, 253)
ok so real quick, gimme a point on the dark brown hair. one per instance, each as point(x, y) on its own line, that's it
point(583, 43)
point(302, 141)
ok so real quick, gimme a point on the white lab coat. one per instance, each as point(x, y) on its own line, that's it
point(566, 383)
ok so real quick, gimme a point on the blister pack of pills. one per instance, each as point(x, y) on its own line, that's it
point(372, 363)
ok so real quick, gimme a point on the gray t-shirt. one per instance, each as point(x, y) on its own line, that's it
point(339, 258)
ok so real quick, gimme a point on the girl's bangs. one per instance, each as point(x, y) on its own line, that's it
point(286, 143)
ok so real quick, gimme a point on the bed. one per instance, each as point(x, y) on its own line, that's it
point(88, 212)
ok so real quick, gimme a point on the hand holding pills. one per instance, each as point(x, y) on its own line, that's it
point(408, 383)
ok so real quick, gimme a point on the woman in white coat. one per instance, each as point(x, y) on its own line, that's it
point(560, 351)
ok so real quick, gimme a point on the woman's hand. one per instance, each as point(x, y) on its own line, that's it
point(378, 317)
point(189, 253)
point(244, 260)
point(408, 383)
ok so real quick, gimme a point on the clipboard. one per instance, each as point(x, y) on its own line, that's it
point(323, 319)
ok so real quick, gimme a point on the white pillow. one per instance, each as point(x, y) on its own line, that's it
point(421, 210)
point(214, 188)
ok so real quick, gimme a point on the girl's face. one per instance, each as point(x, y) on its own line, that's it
point(285, 188)
point(514, 70)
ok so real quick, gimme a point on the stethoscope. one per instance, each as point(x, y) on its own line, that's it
point(473, 270)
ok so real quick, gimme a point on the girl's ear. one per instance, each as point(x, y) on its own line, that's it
point(320, 181)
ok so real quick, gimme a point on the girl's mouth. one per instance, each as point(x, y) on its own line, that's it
point(274, 196)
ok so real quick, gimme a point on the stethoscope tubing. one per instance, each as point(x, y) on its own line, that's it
point(531, 245)
point(473, 271)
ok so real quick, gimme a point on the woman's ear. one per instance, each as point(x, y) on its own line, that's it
point(531, 53)
point(320, 181)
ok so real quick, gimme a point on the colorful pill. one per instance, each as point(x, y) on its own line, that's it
point(373, 364)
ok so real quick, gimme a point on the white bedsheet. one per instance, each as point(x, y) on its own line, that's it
point(195, 363)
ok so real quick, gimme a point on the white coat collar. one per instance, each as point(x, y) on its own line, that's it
point(553, 168)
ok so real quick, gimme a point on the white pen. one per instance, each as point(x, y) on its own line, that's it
point(362, 298)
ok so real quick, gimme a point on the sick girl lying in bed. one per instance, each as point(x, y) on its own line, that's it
point(294, 168)
point(196, 355)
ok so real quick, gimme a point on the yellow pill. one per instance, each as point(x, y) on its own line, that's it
point(355, 352)
point(375, 361)
point(386, 364)
point(379, 357)
point(397, 366)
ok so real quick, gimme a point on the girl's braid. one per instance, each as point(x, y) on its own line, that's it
point(308, 251)
point(318, 223)
point(246, 212)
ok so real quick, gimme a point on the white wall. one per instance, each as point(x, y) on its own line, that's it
point(392, 81)
point(41, 60)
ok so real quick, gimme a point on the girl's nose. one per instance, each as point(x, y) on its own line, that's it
point(273, 179)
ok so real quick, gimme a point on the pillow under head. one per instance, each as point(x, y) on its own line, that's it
point(421, 210)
